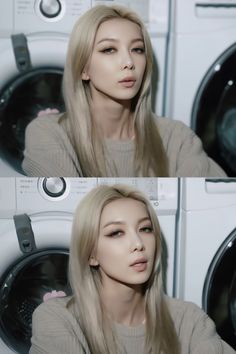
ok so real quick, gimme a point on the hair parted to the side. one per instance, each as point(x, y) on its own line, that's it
point(150, 156)
point(86, 280)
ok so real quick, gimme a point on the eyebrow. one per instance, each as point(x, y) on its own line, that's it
point(116, 40)
point(146, 218)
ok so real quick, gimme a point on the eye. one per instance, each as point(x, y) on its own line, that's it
point(146, 229)
point(139, 50)
point(109, 50)
point(115, 233)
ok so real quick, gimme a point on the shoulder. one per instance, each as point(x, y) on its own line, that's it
point(56, 330)
point(45, 121)
point(196, 331)
point(53, 316)
point(185, 152)
point(169, 127)
point(46, 131)
point(183, 309)
point(188, 316)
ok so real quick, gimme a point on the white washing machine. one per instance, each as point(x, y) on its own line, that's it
point(206, 266)
point(201, 83)
point(33, 44)
point(35, 226)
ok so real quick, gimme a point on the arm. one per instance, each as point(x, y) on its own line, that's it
point(185, 152)
point(193, 161)
point(205, 339)
point(48, 151)
point(196, 331)
point(53, 331)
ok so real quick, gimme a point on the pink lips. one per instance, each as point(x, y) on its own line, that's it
point(140, 264)
point(127, 81)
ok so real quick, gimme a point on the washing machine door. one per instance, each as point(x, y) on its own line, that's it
point(33, 263)
point(214, 111)
point(219, 294)
point(29, 83)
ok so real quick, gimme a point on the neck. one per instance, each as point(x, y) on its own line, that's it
point(115, 119)
point(124, 305)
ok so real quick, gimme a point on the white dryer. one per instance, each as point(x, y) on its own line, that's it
point(201, 83)
point(35, 226)
point(206, 252)
point(33, 44)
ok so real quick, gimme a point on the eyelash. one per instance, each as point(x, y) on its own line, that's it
point(139, 50)
point(111, 50)
point(145, 229)
point(115, 233)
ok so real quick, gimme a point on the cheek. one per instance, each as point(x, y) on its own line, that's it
point(151, 245)
point(107, 254)
point(144, 64)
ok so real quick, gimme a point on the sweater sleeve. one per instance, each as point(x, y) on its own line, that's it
point(197, 332)
point(52, 332)
point(48, 151)
point(185, 152)
point(205, 339)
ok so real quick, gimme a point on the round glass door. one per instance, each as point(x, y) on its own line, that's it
point(219, 293)
point(22, 289)
point(20, 102)
point(214, 111)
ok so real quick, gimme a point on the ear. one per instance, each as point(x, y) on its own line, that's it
point(93, 261)
point(85, 76)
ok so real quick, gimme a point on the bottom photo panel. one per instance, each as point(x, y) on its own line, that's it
point(117, 265)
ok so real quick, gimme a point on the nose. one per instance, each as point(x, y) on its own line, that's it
point(136, 242)
point(127, 62)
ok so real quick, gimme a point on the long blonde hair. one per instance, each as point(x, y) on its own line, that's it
point(150, 157)
point(86, 281)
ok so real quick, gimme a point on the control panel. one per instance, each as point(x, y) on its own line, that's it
point(51, 194)
point(45, 194)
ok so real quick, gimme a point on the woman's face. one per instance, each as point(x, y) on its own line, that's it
point(126, 244)
point(118, 61)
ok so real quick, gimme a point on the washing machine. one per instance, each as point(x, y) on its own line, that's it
point(33, 44)
point(201, 83)
point(206, 267)
point(35, 225)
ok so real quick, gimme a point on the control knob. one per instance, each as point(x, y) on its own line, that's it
point(54, 187)
point(50, 8)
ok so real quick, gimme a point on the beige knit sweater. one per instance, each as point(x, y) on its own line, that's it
point(49, 152)
point(55, 331)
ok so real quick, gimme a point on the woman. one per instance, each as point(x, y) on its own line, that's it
point(118, 305)
point(108, 128)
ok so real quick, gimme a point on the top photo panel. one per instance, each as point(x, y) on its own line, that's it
point(129, 88)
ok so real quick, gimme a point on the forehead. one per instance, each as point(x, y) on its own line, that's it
point(118, 27)
point(124, 209)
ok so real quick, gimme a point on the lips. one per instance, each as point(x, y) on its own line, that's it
point(139, 261)
point(128, 79)
point(127, 82)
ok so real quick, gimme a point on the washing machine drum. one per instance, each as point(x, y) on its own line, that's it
point(23, 287)
point(226, 124)
point(20, 101)
point(214, 111)
point(219, 294)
